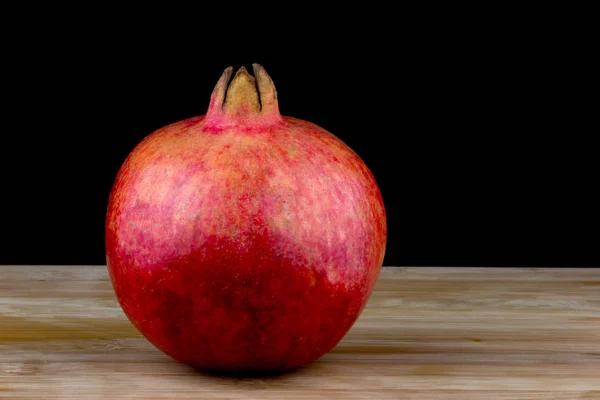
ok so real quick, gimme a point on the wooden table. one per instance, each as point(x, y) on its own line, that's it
point(427, 333)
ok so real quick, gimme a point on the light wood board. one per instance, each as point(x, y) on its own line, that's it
point(427, 333)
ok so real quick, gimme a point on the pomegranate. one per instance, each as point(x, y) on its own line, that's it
point(241, 239)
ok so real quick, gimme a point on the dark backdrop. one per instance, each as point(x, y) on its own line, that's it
point(469, 129)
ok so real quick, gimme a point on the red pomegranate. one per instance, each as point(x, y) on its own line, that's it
point(241, 239)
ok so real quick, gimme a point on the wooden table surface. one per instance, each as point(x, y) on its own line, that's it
point(427, 333)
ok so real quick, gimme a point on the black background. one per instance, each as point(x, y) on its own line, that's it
point(470, 126)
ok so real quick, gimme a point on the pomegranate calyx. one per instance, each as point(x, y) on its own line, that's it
point(243, 99)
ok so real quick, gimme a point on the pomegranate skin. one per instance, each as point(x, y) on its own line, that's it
point(241, 239)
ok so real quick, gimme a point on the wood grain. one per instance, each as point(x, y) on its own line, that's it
point(427, 333)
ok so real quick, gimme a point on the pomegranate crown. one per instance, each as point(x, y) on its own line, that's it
point(244, 100)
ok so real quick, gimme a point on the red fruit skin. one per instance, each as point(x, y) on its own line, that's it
point(245, 248)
